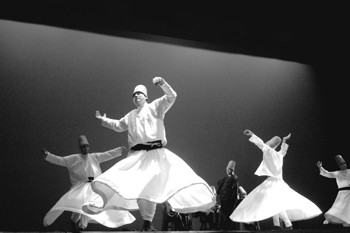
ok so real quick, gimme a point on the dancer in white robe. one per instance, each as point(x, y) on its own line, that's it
point(83, 168)
point(339, 213)
point(151, 174)
point(273, 198)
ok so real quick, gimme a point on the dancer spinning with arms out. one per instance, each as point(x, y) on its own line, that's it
point(151, 174)
point(273, 198)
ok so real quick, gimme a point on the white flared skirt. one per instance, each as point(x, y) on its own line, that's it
point(339, 213)
point(270, 198)
point(157, 176)
point(73, 201)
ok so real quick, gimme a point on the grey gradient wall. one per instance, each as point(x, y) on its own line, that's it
point(53, 80)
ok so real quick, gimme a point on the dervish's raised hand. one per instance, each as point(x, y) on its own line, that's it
point(287, 137)
point(319, 164)
point(98, 115)
point(247, 132)
point(158, 81)
point(44, 151)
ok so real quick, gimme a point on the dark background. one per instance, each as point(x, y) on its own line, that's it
point(274, 69)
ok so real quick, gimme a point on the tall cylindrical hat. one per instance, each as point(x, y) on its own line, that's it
point(140, 88)
point(339, 159)
point(231, 164)
point(241, 191)
point(274, 142)
point(83, 140)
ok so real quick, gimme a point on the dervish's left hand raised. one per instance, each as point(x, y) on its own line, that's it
point(319, 164)
point(98, 115)
point(287, 137)
point(158, 81)
point(248, 132)
point(44, 151)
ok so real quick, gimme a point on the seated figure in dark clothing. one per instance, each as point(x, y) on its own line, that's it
point(177, 221)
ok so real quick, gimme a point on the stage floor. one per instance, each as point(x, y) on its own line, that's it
point(331, 230)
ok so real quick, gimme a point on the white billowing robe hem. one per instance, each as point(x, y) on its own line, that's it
point(273, 195)
point(80, 192)
point(339, 213)
point(156, 175)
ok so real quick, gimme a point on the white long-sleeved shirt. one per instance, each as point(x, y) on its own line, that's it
point(272, 162)
point(80, 166)
point(146, 123)
point(342, 178)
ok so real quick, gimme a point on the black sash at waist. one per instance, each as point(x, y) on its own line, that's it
point(90, 179)
point(149, 146)
point(344, 188)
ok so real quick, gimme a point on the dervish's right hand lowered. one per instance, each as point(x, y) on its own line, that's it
point(124, 150)
point(98, 115)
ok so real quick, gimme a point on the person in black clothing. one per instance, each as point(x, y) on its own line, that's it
point(227, 197)
point(178, 221)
